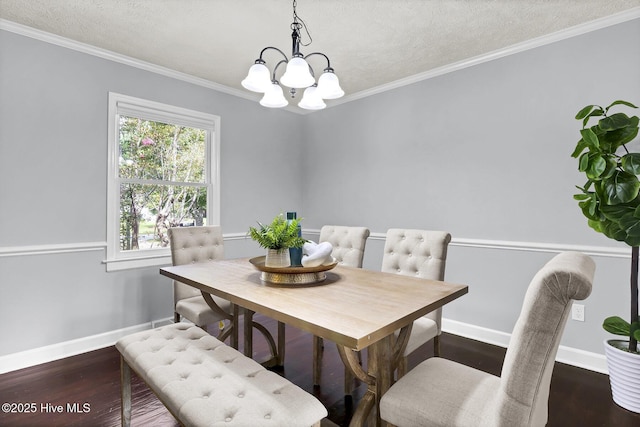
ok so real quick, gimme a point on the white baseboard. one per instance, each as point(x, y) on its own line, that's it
point(24, 359)
point(49, 353)
point(568, 355)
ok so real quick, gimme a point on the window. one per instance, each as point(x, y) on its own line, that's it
point(163, 172)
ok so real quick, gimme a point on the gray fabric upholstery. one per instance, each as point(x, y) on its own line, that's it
point(418, 253)
point(204, 382)
point(348, 243)
point(194, 245)
point(440, 392)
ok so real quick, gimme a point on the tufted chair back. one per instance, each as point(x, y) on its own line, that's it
point(528, 364)
point(348, 243)
point(417, 253)
point(191, 245)
point(439, 392)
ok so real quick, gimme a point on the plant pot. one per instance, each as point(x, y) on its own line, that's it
point(624, 375)
point(277, 258)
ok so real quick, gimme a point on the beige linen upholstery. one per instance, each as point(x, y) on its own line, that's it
point(439, 392)
point(418, 253)
point(194, 245)
point(204, 382)
point(348, 243)
point(348, 249)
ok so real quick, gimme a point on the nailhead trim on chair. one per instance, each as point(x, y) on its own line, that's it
point(204, 382)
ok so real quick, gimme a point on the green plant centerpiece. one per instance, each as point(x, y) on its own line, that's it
point(610, 199)
point(277, 238)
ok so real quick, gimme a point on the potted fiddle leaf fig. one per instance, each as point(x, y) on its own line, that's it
point(277, 238)
point(611, 202)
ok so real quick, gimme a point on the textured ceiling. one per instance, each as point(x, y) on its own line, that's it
point(370, 43)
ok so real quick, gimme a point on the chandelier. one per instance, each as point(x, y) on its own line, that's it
point(298, 75)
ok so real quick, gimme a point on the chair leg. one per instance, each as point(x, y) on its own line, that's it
point(436, 346)
point(317, 359)
point(125, 395)
point(348, 382)
point(281, 343)
point(176, 318)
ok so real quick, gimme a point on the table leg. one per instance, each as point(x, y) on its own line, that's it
point(277, 353)
point(382, 360)
point(248, 333)
point(233, 317)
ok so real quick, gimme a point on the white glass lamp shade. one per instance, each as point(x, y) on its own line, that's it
point(274, 97)
point(311, 99)
point(258, 79)
point(297, 74)
point(329, 86)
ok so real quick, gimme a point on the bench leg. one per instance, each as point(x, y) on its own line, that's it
point(125, 397)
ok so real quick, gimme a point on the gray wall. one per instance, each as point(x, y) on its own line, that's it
point(482, 152)
point(53, 180)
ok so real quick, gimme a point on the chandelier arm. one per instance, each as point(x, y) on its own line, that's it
point(286, 59)
point(325, 57)
point(273, 75)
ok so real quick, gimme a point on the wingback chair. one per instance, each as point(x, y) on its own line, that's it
point(418, 253)
point(440, 392)
point(192, 245)
point(348, 249)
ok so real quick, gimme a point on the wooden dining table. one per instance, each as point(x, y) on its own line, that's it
point(353, 307)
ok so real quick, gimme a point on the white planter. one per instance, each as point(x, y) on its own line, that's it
point(624, 374)
point(277, 258)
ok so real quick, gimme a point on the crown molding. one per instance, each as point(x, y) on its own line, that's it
point(577, 30)
point(568, 33)
point(46, 37)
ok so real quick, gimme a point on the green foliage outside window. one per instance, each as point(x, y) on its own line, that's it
point(162, 180)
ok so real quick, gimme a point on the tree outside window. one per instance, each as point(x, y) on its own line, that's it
point(163, 173)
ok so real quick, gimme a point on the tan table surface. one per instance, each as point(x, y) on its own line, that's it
point(353, 307)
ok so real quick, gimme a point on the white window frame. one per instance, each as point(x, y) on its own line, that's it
point(154, 111)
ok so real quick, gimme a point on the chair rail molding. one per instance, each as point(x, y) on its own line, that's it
point(603, 251)
point(60, 248)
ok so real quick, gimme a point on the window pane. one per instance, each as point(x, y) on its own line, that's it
point(160, 151)
point(148, 211)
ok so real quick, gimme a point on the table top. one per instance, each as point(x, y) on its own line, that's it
point(352, 307)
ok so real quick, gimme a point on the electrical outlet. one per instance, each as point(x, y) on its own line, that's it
point(577, 312)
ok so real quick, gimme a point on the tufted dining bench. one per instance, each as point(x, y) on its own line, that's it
point(204, 382)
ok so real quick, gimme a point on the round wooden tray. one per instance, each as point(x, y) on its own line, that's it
point(291, 275)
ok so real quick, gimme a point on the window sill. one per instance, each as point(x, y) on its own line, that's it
point(137, 262)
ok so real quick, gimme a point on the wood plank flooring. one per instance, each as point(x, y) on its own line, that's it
point(87, 387)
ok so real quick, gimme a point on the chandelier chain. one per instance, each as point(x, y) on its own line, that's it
point(297, 26)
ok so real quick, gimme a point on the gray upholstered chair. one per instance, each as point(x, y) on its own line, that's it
point(191, 245)
point(439, 392)
point(418, 253)
point(348, 249)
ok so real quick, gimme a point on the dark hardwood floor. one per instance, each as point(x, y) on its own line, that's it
point(89, 384)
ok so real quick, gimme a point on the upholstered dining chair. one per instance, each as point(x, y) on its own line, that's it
point(440, 392)
point(348, 249)
point(195, 245)
point(418, 253)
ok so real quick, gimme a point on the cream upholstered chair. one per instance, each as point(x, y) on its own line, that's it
point(191, 245)
point(439, 392)
point(348, 249)
point(418, 253)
